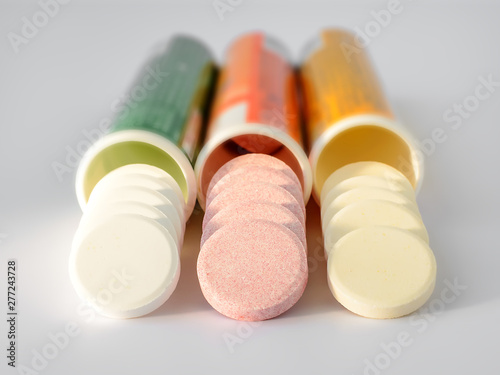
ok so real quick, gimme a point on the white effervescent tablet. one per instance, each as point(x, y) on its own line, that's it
point(330, 209)
point(124, 177)
point(101, 213)
point(369, 213)
point(381, 272)
point(107, 195)
point(126, 267)
point(157, 173)
point(365, 168)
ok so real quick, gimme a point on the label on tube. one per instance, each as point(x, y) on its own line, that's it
point(339, 81)
point(169, 95)
point(256, 86)
point(348, 117)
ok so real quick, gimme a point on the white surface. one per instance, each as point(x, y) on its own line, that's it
point(65, 79)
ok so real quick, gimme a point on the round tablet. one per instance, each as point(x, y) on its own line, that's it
point(126, 266)
point(137, 194)
point(101, 212)
point(365, 181)
point(245, 210)
point(157, 173)
point(330, 209)
point(372, 212)
point(123, 177)
point(381, 272)
point(365, 168)
point(254, 191)
point(252, 270)
point(252, 159)
point(254, 173)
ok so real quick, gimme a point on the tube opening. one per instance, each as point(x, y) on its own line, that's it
point(124, 153)
point(364, 143)
point(230, 148)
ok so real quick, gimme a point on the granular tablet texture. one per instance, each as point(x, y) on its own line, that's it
point(254, 173)
point(255, 191)
point(255, 160)
point(255, 210)
point(252, 270)
point(253, 258)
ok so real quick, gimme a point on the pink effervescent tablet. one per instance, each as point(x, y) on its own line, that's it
point(253, 173)
point(256, 160)
point(252, 270)
point(245, 210)
point(254, 191)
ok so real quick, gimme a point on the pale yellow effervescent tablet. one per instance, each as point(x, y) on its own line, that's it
point(330, 209)
point(381, 272)
point(372, 212)
point(366, 181)
point(392, 177)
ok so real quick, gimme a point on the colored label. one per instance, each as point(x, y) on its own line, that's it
point(257, 85)
point(338, 82)
point(170, 94)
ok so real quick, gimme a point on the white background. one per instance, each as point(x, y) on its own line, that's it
point(429, 56)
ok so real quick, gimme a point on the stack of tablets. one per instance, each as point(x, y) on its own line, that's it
point(133, 225)
point(253, 258)
point(379, 261)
